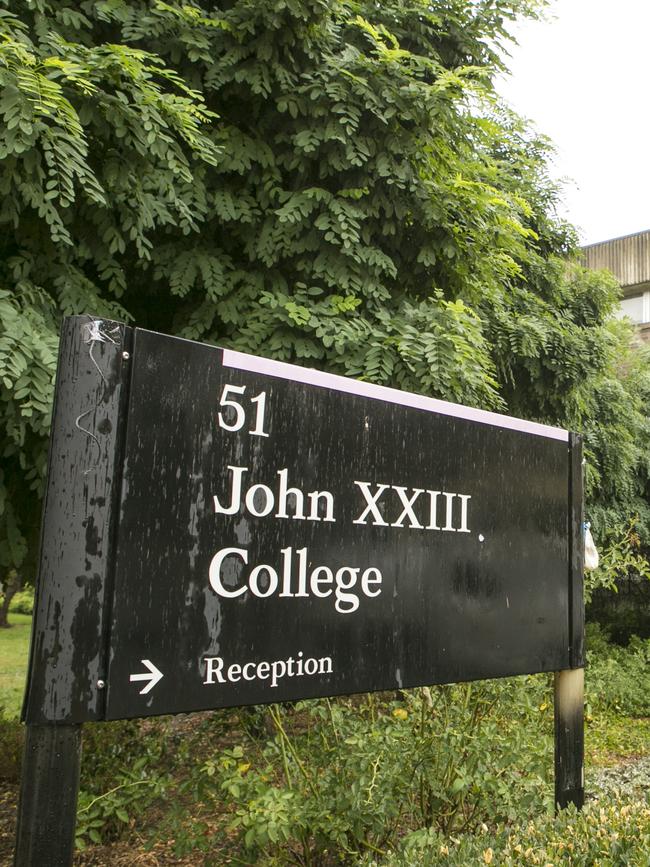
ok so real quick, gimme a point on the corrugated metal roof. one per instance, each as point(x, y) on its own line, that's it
point(628, 258)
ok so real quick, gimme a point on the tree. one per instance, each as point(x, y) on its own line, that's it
point(96, 151)
point(328, 182)
point(8, 590)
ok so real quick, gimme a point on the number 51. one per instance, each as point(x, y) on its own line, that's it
point(240, 413)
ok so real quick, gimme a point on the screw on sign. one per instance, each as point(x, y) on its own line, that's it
point(246, 521)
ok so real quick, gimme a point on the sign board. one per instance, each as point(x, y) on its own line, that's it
point(223, 530)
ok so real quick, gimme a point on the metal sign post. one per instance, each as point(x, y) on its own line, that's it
point(48, 797)
point(68, 653)
point(570, 684)
point(222, 530)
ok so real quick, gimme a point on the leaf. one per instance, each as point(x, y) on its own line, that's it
point(457, 785)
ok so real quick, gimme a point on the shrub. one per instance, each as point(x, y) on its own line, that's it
point(121, 774)
point(23, 602)
point(103, 817)
point(349, 776)
point(613, 834)
point(598, 643)
point(618, 678)
point(11, 748)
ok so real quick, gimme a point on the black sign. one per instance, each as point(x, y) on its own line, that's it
point(268, 532)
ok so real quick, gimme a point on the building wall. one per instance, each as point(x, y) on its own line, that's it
point(628, 259)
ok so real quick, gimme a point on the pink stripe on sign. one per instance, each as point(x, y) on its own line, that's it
point(255, 364)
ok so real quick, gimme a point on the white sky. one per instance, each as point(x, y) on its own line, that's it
point(583, 77)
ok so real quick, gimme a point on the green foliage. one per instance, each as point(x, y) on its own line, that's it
point(14, 652)
point(626, 612)
point(612, 834)
point(616, 479)
point(28, 344)
point(612, 739)
point(619, 558)
point(11, 747)
point(103, 817)
point(122, 774)
point(357, 779)
point(617, 688)
point(408, 773)
point(620, 680)
point(349, 776)
point(454, 766)
point(23, 602)
point(109, 746)
point(96, 147)
point(330, 182)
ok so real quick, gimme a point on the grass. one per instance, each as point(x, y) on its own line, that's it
point(14, 653)
point(611, 738)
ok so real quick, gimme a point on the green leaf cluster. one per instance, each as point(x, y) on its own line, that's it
point(98, 142)
point(351, 776)
point(327, 182)
point(100, 817)
point(620, 680)
point(609, 834)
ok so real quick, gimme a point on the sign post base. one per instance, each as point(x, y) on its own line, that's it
point(569, 738)
point(47, 812)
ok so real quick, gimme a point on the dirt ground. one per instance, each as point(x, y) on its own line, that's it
point(130, 853)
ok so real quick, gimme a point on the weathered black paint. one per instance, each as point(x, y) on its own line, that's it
point(48, 796)
point(569, 738)
point(569, 685)
point(126, 551)
point(69, 638)
point(576, 572)
point(452, 608)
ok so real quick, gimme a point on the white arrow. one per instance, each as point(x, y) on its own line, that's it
point(153, 676)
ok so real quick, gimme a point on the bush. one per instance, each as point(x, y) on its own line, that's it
point(108, 747)
point(618, 678)
point(350, 776)
point(610, 835)
point(23, 602)
point(625, 612)
point(104, 817)
point(120, 777)
point(598, 641)
point(11, 748)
